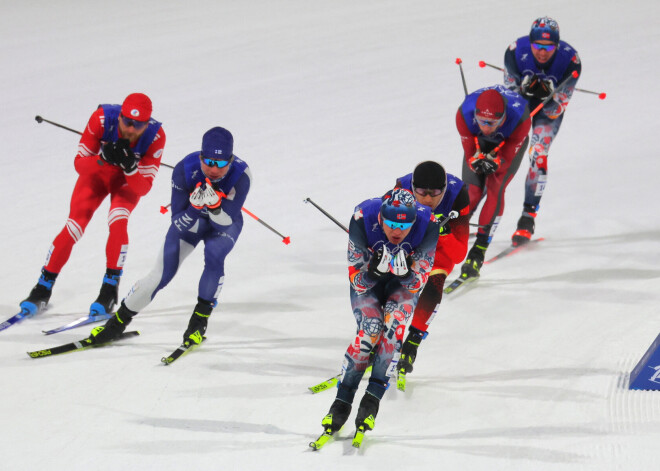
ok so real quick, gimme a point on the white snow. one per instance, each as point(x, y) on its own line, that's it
point(332, 101)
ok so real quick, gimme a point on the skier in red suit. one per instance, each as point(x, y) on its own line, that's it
point(118, 155)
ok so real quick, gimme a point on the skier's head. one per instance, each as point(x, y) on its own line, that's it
point(429, 181)
point(544, 29)
point(489, 111)
point(134, 116)
point(217, 152)
point(544, 39)
point(398, 213)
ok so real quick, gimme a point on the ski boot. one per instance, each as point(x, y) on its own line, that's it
point(115, 326)
point(525, 229)
point(108, 296)
point(473, 263)
point(409, 350)
point(337, 415)
point(366, 417)
point(198, 322)
point(39, 296)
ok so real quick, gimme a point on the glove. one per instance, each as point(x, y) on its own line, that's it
point(379, 264)
point(485, 164)
point(401, 264)
point(212, 198)
point(533, 86)
point(197, 197)
point(110, 152)
point(120, 153)
point(445, 229)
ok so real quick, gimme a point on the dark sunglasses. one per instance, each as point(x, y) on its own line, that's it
point(428, 191)
point(544, 47)
point(397, 225)
point(131, 122)
point(216, 163)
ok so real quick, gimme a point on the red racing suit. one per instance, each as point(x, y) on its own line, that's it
point(98, 179)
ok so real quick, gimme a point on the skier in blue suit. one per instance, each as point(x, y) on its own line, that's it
point(208, 191)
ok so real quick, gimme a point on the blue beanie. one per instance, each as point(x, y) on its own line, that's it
point(218, 144)
point(544, 29)
point(399, 206)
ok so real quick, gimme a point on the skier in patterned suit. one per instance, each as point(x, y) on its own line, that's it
point(534, 66)
point(208, 192)
point(118, 155)
point(390, 254)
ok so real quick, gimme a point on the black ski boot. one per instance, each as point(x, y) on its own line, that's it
point(198, 322)
point(39, 296)
point(473, 262)
point(366, 415)
point(115, 326)
point(108, 296)
point(337, 415)
point(409, 350)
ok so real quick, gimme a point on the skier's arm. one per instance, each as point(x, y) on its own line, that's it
point(422, 258)
point(358, 255)
point(141, 179)
point(231, 205)
point(184, 215)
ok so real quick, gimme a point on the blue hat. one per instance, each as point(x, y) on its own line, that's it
point(218, 144)
point(544, 28)
point(399, 206)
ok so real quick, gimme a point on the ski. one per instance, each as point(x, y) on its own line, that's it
point(325, 437)
point(512, 250)
point(457, 283)
point(78, 323)
point(184, 348)
point(15, 319)
point(330, 382)
point(359, 436)
point(78, 345)
point(401, 380)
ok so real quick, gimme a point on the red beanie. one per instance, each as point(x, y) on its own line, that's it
point(137, 106)
point(490, 105)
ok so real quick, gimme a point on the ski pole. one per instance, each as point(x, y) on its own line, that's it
point(309, 200)
point(285, 240)
point(39, 119)
point(601, 95)
point(460, 66)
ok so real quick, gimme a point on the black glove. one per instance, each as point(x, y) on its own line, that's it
point(487, 165)
point(379, 264)
point(120, 153)
point(445, 229)
point(533, 86)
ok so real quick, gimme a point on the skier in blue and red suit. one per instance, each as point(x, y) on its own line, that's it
point(208, 191)
point(534, 66)
point(391, 248)
point(494, 124)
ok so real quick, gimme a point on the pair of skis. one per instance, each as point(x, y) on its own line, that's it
point(88, 343)
point(24, 314)
point(328, 433)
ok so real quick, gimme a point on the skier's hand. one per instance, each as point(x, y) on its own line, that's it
point(379, 264)
point(401, 264)
point(487, 164)
point(533, 86)
point(120, 153)
point(197, 197)
point(444, 229)
point(212, 198)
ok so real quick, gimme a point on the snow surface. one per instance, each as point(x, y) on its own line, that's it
point(332, 101)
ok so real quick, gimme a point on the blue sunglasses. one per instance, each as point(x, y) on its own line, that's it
point(128, 122)
point(397, 225)
point(216, 163)
point(544, 47)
